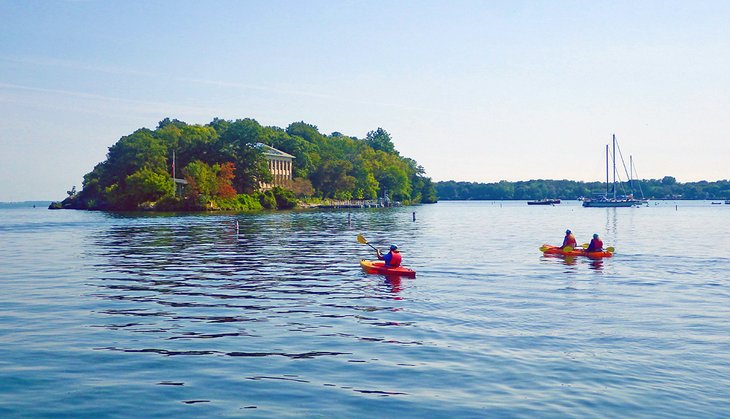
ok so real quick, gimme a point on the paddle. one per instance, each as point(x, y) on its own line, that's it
point(362, 240)
point(545, 247)
point(609, 249)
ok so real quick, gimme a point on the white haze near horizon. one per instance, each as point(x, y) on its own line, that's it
point(472, 90)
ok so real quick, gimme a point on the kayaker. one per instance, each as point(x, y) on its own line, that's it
point(392, 258)
point(596, 245)
point(569, 240)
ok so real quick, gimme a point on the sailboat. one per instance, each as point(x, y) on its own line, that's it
point(601, 200)
point(637, 201)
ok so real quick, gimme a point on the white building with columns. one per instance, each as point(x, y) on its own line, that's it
point(280, 166)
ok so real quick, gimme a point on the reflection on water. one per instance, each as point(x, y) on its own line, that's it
point(199, 279)
point(191, 316)
point(246, 288)
point(595, 264)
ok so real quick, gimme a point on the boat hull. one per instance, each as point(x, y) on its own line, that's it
point(544, 202)
point(608, 204)
point(378, 267)
point(557, 250)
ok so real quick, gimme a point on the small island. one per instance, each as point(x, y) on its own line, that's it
point(241, 165)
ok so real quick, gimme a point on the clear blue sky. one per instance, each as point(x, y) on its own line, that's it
point(473, 90)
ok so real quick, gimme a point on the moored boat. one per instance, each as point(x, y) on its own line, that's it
point(544, 202)
point(606, 200)
point(603, 201)
point(378, 267)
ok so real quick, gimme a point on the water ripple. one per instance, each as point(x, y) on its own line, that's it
point(184, 316)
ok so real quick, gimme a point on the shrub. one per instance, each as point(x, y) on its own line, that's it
point(267, 199)
point(285, 198)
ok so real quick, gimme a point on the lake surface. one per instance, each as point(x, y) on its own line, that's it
point(113, 315)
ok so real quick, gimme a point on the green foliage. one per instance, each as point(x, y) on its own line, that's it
point(308, 132)
point(248, 201)
point(240, 202)
point(205, 182)
point(139, 150)
point(221, 159)
point(267, 199)
point(380, 140)
point(332, 177)
point(201, 179)
point(306, 154)
point(146, 185)
point(237, 143)
point(285, 198)
point(169, 203)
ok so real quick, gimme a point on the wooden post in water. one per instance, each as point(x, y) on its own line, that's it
point(349, 219)
point(414, 216)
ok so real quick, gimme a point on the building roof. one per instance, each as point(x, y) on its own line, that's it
point(272, 152)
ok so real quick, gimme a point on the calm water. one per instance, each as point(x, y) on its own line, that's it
point(173, 316)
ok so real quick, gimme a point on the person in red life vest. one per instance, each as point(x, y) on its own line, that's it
point(569, 240)
point(393, 258)
point(596, 245)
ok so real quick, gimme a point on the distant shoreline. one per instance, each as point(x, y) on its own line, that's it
point(21, 204)
point(45, 204)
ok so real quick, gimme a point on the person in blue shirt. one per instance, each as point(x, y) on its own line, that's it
point(596, 244)
point(393, 258)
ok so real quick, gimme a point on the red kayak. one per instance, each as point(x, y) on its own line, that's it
point(557, 250)
point(378, 267)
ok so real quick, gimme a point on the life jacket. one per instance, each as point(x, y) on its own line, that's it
point(570, 241)
point(395, 259)
point(595, 246)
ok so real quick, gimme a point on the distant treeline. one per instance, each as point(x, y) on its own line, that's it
point(665, 188)
point(224, 167)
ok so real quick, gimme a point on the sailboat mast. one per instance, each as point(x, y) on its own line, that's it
point(606, 170)
point(614, 166)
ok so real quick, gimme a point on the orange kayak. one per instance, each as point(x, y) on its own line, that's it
point(378, 267)
point(557, 250)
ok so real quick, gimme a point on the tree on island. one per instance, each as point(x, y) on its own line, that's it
point(221, 166)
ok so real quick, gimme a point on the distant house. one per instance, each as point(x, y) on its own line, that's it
point(280, 165)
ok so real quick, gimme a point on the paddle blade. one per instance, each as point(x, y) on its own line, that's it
point(584, 245)
point(568, 249)
point(611, 249)
point(544, 247)
point(361, 239)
